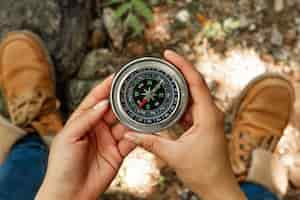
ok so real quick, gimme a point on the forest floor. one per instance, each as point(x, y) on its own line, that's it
point(229, 41)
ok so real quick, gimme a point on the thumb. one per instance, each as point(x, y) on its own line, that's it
point(84, 123)
point(161, 147)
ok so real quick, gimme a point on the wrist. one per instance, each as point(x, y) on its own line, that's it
point(223, 189)
point(48, 191)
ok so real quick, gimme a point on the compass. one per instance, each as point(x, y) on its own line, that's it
point(149, 95)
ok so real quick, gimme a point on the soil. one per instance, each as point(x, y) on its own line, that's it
point(229, 41)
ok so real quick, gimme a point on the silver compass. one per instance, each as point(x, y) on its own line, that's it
point(149, 95)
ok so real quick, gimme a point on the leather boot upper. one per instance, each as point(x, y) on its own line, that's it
point(27, 80)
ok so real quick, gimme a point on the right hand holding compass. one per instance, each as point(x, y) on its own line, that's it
point(206, 168)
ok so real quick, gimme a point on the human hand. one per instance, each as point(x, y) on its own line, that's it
point(86, 155)
point(200, 155)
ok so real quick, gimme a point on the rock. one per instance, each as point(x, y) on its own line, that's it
point(63, 26)
point(231, 24)
point(214, 30)
point(290, 37)
point(100, 63)
point(98, 36)
point(252, 27)
point(136, 48)
point(278, 5)
point(244, 21)
point(114, 27)
point(194, 197)
point(183, 16)
point(297, 22)
point(76, 90)
point(280, 54)
point(291, 2)
point(276, 37)
point(185, 195)
point(159, 30)
point(260, 5)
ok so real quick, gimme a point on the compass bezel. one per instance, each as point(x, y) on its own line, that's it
point(146, 63)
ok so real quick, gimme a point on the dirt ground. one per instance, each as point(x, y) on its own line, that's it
point(229, 41)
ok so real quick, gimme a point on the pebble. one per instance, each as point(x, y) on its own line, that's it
point(297, 22)
point(76, 90)
point(290, 36)
point(252, 27)
point(183, 16)
point(276, 37)
point(244, 21)
point(136, 48)
point(98, 36)
point(114, 27)
point(260, 5)
point(97, 64)
point(278, 5)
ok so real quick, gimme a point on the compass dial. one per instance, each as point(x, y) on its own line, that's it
point(149, 95)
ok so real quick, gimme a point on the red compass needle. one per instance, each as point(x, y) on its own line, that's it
point(143, 102)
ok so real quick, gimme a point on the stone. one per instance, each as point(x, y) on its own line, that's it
point(136, 48)
point(260, 5)
point(100, 63)
point(252, 27)
point(76, 90)
point(297, 22)
point(159, 30)
point(276, 37)
point(62, 25)
point(230, 24)
point(291, 2)
point(290, 36)
point(98, 36)
point(114, 27)
point(244, 21)
point(183, 16)
point(280, 54)
point(278, 5)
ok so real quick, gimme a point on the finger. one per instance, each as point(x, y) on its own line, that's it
point(197, 84)
point(110, 118)
point(97, 94)
point(161, 147)
point(81, 125)
point(107, 143)
point(118, 131)
point(187, 120)
point(125, 147)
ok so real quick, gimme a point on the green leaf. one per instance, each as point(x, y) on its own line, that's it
point(134, 23)
point(121, 10)
point(170, 1)
point(111, 2)
point(142, 9)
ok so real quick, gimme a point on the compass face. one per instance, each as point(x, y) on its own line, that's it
point(149, 95)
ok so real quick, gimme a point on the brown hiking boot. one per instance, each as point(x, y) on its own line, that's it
point(27, 80)
point(260, 116)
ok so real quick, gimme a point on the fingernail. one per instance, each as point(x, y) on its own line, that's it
point(169, 52)
point(133, 137)
point(102, 104)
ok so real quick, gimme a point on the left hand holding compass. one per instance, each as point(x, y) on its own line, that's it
point(86, 155)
